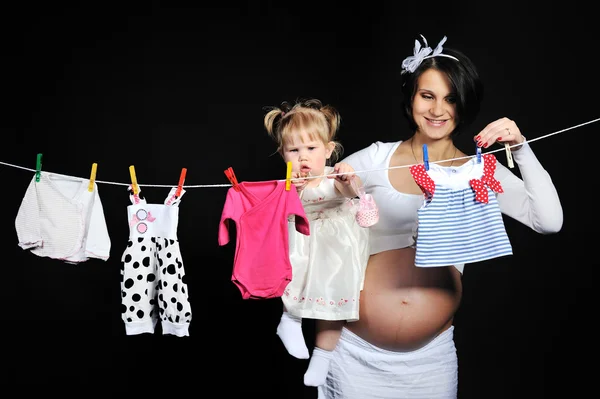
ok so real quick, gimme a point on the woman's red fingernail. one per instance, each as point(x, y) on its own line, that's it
point(499, 139)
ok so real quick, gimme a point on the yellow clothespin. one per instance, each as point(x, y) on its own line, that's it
point(511, 164)
point(134, 184)
point(92, 177)
point(288, 176)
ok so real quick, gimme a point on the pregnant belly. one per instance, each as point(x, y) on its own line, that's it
point(403, 307)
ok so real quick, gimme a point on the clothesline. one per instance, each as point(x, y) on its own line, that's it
point(310, 177)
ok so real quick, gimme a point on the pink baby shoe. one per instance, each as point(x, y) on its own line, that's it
point(368, 213)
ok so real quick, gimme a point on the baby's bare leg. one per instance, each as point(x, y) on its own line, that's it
point(328, 335)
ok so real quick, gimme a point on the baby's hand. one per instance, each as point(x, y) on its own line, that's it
point(346, 177)
point(301, 183)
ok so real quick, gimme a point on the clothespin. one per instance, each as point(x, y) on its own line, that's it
point(38, 167)
point(134, 184)
point(509, 156)
point(181, 180)
point(425, 157)
point(92, 177)
point(478, 152)
point(288, 176)
point(231, 176)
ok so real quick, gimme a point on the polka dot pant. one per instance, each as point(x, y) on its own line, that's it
point(153, 287)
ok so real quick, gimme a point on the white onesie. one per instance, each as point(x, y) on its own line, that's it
point(61, 219)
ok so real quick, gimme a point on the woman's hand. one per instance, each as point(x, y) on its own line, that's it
point(501, 131)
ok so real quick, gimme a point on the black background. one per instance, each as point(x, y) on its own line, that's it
point(167, 85)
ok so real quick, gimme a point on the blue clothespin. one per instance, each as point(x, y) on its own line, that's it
point(425, 157)
point(478, 151)
point(38, 167)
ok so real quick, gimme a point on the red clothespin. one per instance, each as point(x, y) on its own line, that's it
point(181, 180)
point(231, 176)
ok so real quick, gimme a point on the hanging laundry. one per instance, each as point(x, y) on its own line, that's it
point(330, 264)
point(153, 283)
point(61, 219)
point(460, 220)
point(260, 210)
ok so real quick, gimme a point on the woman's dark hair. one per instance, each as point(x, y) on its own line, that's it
point(464, 81)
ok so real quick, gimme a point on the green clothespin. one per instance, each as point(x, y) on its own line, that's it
point(38, 167)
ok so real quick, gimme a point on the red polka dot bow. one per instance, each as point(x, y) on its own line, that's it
point(423, 180)
point(488, 179)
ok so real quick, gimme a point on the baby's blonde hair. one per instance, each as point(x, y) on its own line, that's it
point(317, 120)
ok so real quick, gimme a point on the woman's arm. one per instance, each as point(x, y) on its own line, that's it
point(534, 200)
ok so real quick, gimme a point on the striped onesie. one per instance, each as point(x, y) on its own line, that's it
point(460, 220)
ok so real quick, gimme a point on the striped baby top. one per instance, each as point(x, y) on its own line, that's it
point(460, 220)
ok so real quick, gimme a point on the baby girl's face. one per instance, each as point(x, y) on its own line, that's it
point(308, 155)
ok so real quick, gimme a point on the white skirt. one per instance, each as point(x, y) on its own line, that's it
point(360, 370)
point(328, 266)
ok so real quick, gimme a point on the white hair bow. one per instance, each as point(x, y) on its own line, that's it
point(411, 63)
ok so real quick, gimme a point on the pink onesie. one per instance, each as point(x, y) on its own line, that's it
point(260, 210)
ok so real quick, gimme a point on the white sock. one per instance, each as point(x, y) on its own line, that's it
point(318, 368)
point(290, 332)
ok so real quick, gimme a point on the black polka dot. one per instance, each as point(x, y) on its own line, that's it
point(128, 283)
point(136, 297)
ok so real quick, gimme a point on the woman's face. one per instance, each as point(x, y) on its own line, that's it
point(433, 105)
